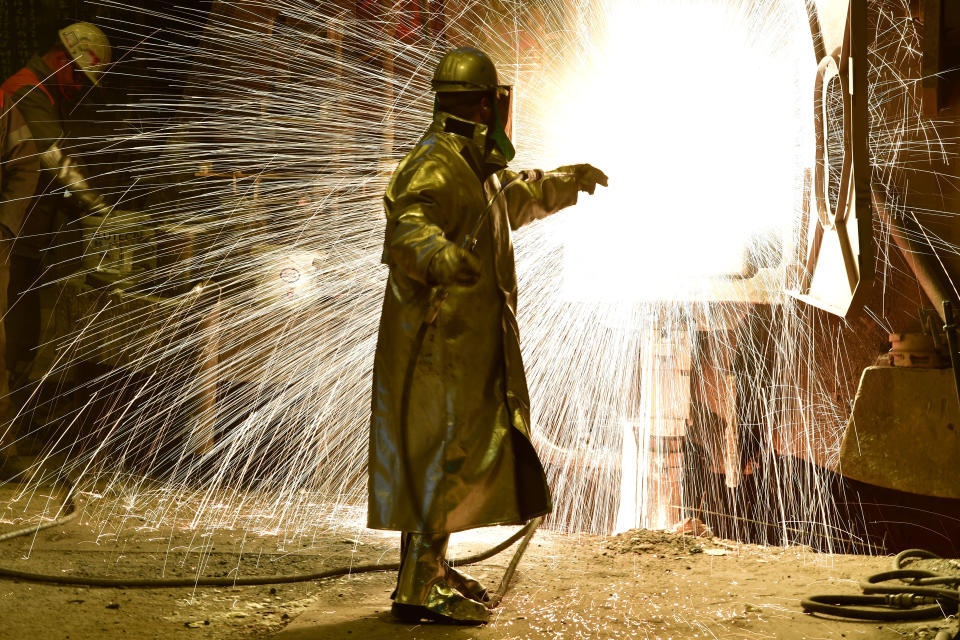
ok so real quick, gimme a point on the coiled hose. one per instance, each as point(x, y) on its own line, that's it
point(69, 508)
point(922, 595)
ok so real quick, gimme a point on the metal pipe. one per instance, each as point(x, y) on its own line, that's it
point(932, 276)
point(950, 329)
point(816, 32)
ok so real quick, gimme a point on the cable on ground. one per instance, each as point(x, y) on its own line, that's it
point(70, 511)
point(920, 595)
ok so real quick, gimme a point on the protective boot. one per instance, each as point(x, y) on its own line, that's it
point(466, 585)
point(422, 590)
point(404, 547)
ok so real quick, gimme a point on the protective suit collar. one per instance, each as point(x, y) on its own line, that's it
point(477, 133)
point(479, 151)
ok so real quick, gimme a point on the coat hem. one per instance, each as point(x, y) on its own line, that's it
point(495, 523)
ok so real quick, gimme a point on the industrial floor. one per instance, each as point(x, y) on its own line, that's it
point(640, 584)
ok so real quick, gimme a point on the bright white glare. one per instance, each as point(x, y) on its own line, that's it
point(698, 112)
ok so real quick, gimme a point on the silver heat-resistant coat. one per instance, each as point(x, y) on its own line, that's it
point(469, 460)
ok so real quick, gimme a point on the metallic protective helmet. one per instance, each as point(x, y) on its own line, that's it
point(465, 69)
point(89, 48)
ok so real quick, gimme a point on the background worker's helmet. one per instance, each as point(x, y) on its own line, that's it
point(89, 48)
point(464, 69)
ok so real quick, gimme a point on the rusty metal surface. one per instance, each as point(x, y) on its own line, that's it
point(904, 433)
point(917, 350)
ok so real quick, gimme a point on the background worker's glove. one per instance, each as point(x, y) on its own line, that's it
point(72, 176)
point(453, 265)
point(588, 177)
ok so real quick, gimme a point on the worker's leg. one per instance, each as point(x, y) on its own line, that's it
point(404, 544)
point(7, 437)
point(422, 588)
point(460, 581)
point(22, 319)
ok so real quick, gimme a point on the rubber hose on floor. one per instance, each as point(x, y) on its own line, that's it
point(70, 512)
point(919, 596)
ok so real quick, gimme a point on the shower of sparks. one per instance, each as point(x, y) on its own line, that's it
point(220, 352)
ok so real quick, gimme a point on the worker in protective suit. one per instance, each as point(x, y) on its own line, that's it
point(46, 88)
point(449, 439)
point(44, 92)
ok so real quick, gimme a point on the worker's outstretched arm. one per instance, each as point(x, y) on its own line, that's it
point(548, 193)
point(417, 206)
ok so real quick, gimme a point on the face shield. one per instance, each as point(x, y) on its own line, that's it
point(504, 98)
point(503, 121)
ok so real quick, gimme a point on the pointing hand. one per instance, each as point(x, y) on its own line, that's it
point(588, 177)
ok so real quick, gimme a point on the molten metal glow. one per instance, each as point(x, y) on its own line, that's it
point(698, 111)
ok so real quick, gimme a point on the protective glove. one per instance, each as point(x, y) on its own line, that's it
point(453, 265)
point(588, 177)
point(72, 176)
